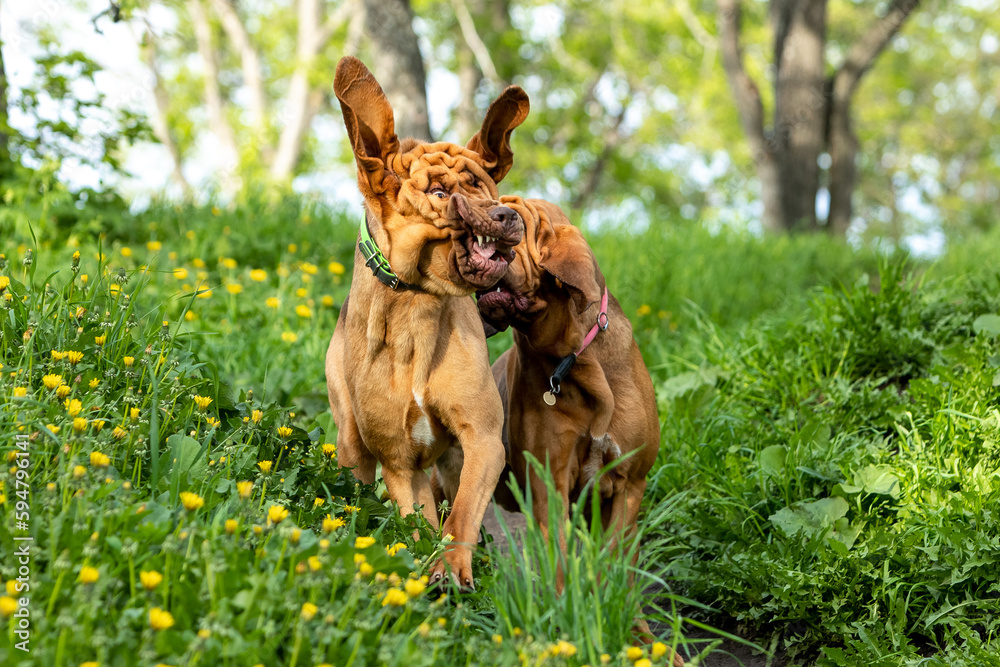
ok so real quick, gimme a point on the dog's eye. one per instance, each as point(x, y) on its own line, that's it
point(438, 192)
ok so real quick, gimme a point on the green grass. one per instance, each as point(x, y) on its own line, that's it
point(828, 482)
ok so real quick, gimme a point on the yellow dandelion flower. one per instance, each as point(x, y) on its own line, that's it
point(329, 450)
point(311, 269)
point(53, 381)
point(564, 648)
point(204, 293)
point(256, 416)
point(99, 460)
point(351, 509)
point(289, 336)
point(94, 383)
point(73, 406)
point(231, 526)
point(658, 650)
point(293, 247)
point(308, 611)
point(644, 662)
point(258, 275)
point(229, 262)
point(202, 402)
point(642, 310)
point(191, 501)
point(272, 302)
point(84, 278)
point(414, 587)
point(119, 433)
point(498, 639)
point(79, 424)
point(150, 579)
point(234, 288)
point(318, 501)
point(4, 283)
point(126, 251)
point(303, 311)
point(394, 549)
point(88, 574)
point(363, 542)
point(265, 466)
point(8, 606)
point(394, 598)
point(153, 245)
point(62, 391)
point(198, 263)
point(204, 633)
point(276, 514)
point(331, 524)
point(244, 489)
point(633, 653)
point(159, 619)
point(128, 361)
point(133, 413)
point(301, 292)
point(190, 316)
point(327, 301)
point(180, 273)
point(57, 355)
point(336, 268)
point(74, 357)
point(20, 392)
point(314, 563)
point(78, 472)
point(284, 431)
point(80, 312)
point(98, 425)
point(99, 340)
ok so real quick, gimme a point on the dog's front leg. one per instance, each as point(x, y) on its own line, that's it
point(591, 378)
point(483, 461)
point(409, 487)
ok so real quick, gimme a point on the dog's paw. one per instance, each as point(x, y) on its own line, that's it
point(458, 565)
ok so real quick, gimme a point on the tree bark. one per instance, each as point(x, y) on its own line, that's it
point(843, 143)
point(800, 108)
point(398, 65)
point(217, 121)
point(751, 113)
point(469, 78)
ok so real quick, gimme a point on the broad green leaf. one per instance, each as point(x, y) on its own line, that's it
point(988, 325)
point(772, 459)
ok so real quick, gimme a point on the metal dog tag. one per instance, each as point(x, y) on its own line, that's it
point(549, 398)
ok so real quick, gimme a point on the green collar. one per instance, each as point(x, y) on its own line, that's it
point(376, 261)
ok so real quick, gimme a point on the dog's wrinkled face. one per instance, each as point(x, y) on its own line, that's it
point(433, 206)
point(552, 279)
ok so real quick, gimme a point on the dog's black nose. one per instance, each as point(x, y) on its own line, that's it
point(506, 216)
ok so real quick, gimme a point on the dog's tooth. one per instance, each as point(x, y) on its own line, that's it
point(479, 239)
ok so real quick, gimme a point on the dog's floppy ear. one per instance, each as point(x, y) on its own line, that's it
point(370, 125)
point(564, 253)
point(492, 142)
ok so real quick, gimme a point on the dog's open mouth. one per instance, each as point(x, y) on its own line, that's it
point(484, 250)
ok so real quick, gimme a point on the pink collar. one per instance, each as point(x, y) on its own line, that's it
point(601, 325)
point(566, 363)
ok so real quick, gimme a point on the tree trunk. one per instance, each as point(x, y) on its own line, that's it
point(751, 113)
point(843, 144)
point(398, 65)
point(161, 128)
point(217, 121)
point(467, 114)
point(249, 62)
point(800, 109)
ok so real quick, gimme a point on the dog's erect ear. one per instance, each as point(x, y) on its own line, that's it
point(492, 142)
point(564, 253)
point(369, 121)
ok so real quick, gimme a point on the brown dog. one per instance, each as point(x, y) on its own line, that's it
point(597, 410)
point(407, 368)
